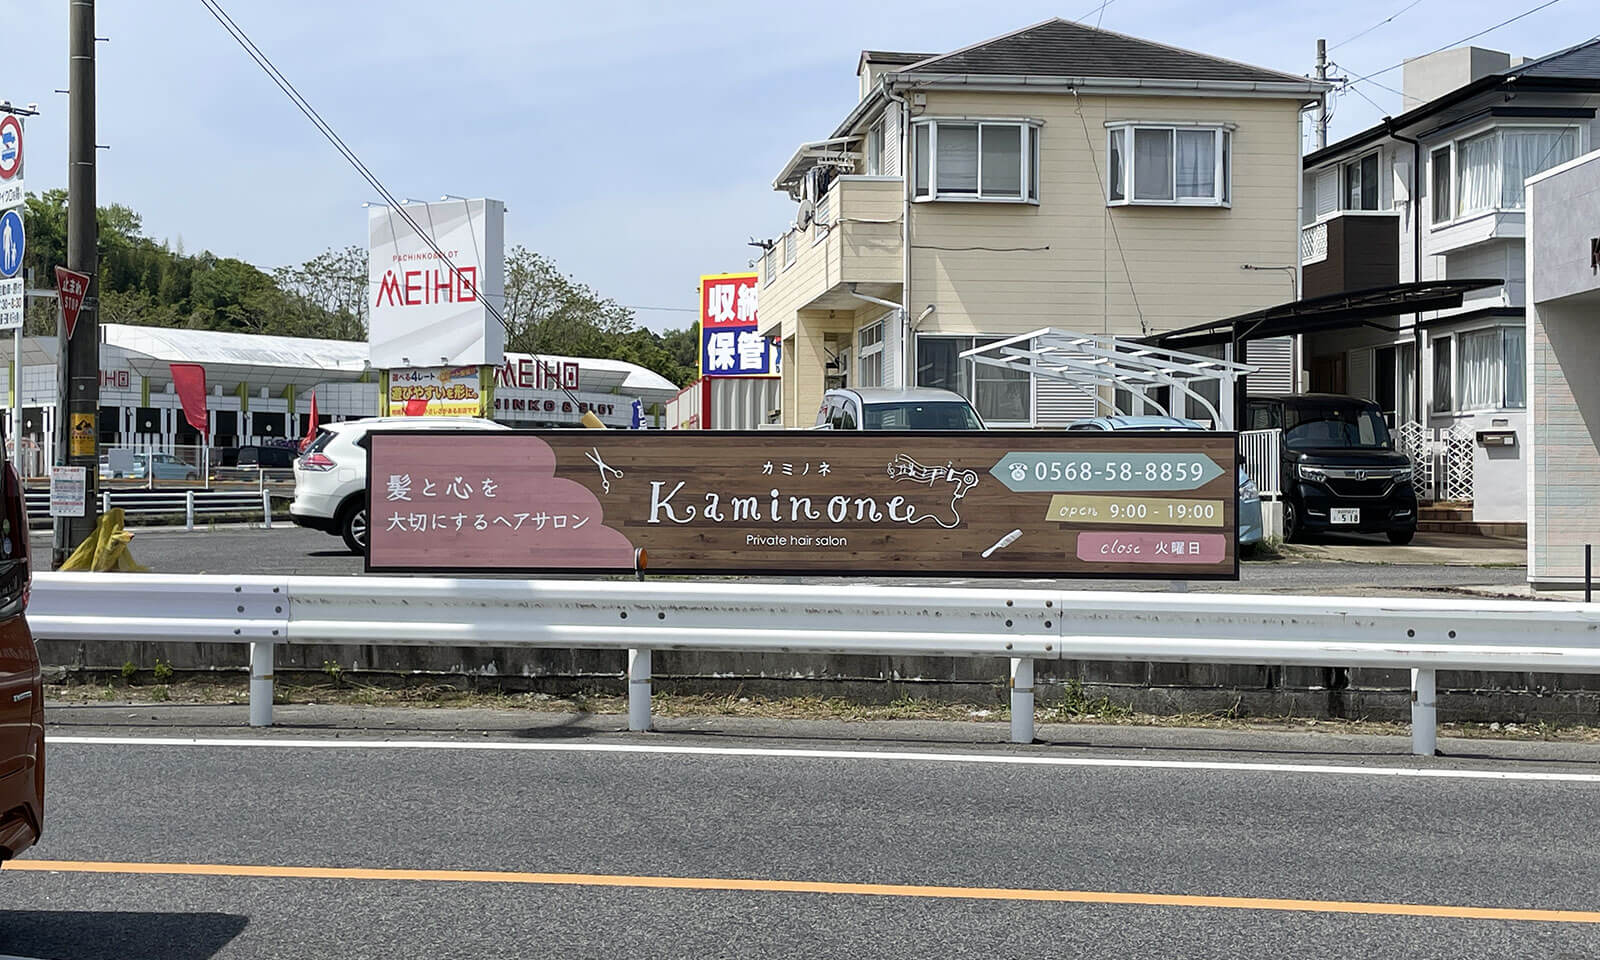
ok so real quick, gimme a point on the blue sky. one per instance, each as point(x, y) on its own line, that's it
point(633, 142)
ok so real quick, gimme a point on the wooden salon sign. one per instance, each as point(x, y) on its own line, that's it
point(991, 503)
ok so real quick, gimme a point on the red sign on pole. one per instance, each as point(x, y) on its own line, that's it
point(70, 287)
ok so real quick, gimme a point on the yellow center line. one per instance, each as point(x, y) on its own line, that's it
point(812, 886)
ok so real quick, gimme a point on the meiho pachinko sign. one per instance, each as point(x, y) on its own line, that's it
point(731, 344)
point(989, 503)
point(435, 392)
point(436, 275)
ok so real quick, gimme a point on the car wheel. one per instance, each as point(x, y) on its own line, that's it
point(1401, 537)
point(353, 528)
point(1291, 521)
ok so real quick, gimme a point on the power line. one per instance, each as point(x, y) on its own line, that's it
point(1101, 9)
point(1144, 327)
point(1375, 25)
point(1529, 12)
point(255, 53)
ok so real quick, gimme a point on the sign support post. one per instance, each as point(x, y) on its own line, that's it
point(78, 353)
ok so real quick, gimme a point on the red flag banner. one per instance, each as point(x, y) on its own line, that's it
point(189, 380)
point(311, 424)
point(70, 287)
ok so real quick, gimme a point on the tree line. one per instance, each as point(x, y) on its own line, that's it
point(150, 283)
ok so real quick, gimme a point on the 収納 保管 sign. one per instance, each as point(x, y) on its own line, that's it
point(731, 344)
point(969, 504)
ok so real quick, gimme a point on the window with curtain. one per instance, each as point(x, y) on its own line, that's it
point(1514, 361)
point(1406, 368)
point(923, 160)
point(1168, 164)
point(1530, 151)
point(1197, 164)
point(957, 158)
point(1478, 186)
point(1441, 185)
point(1116, 166)
point(1478, 370)
point(1491, 167)
point(1152, 164)
point(1441, 376)
point(976, 160)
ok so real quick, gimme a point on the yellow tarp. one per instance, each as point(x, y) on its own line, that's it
point(107, 550)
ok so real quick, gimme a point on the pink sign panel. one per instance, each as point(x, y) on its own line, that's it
point(450, 501)
point(1140, 547)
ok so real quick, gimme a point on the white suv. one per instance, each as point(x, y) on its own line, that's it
point(330, 478)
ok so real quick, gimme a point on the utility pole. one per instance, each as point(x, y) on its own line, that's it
point(78, 360)
point(1322, 109)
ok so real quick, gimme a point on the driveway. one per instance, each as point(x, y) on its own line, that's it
point(1442, 549)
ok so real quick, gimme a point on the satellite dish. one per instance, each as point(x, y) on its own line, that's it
point(806, 213)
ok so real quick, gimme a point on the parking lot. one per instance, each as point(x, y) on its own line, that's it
point(1351, 565)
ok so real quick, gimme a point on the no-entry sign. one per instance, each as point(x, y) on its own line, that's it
point(981, 503)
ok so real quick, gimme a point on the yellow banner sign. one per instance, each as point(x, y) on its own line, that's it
point(83, 435)
point(1153, 511)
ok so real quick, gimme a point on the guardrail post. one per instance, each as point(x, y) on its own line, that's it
point(188, 510)
point(1021, 700)
point(1424, 714)
point(105, 501)
point(266, 509)
point(260, 683)
point(639, 689)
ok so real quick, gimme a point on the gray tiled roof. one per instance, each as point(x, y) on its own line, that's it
point(1579, 62)
point(1063, 48)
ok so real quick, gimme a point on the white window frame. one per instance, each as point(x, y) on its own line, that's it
point(866, 351)
point(789, 249)
point(1222, 176)
point(1448, 149)
point(1344, 182)
point(874, 151)
point(1028, 191)
point(1457, 408)
point(1454, 146)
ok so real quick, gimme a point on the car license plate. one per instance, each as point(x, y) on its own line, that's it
point(1346, 515)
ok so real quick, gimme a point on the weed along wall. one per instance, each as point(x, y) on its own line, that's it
point(1162, 689)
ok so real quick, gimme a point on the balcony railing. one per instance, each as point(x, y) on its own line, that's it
point(1314, 243)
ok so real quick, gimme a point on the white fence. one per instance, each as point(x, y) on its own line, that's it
point(1313, 243)
point(1021, 626)
point(188, 503)
point(1443, 458)
point(1263, 462)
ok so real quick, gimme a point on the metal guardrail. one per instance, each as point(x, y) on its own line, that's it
point(1423, 635)
point(189, 503)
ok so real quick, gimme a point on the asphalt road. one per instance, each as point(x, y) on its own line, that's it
point(290, 550)
point(593, 843)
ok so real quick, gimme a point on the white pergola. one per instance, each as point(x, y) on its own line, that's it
point(1090, 361)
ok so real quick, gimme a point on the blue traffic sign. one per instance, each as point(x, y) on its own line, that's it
point(10, 244)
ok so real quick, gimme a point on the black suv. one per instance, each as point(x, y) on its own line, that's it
point(1341, 471)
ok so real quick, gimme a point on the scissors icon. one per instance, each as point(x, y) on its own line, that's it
point(595, 458)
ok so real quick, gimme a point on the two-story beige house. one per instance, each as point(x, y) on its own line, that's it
point(1058, 176)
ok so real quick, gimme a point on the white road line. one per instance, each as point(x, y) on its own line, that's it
point(1011, 759)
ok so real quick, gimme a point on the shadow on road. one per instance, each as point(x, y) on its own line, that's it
point(91, 935)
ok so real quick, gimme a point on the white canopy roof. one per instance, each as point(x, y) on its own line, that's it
point(1090, 361)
